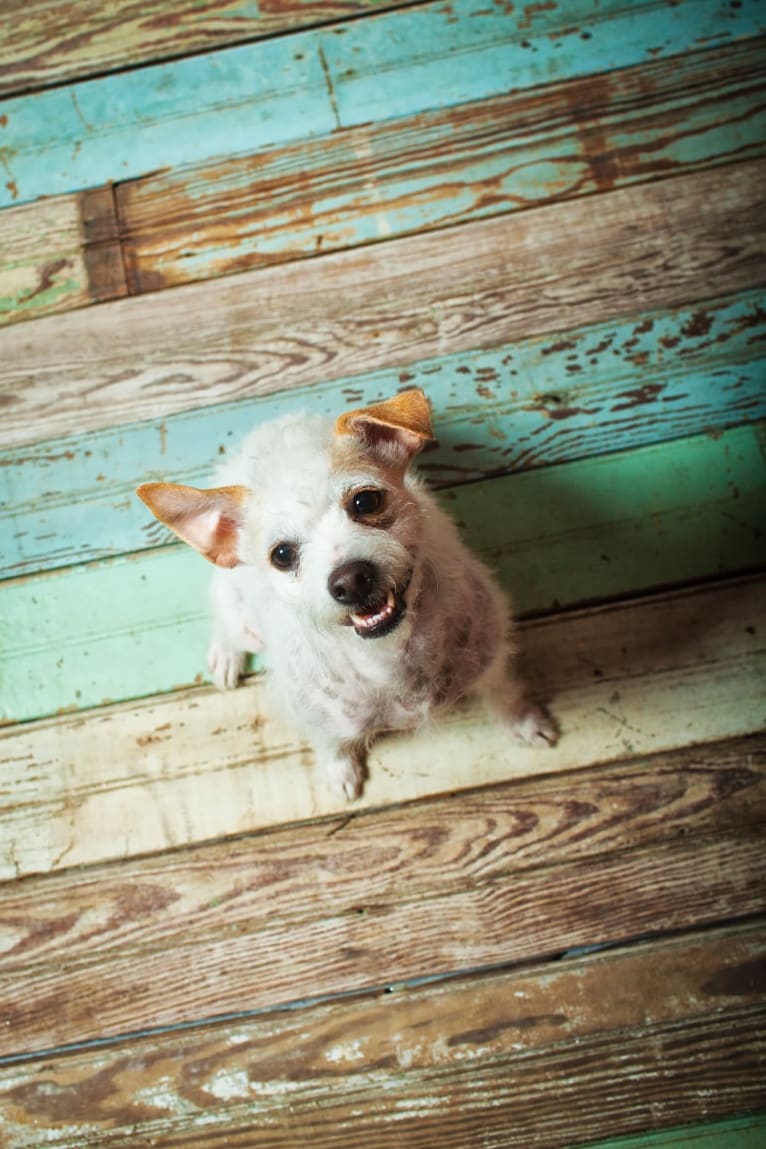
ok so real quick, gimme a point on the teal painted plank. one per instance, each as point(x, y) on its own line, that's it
point(481, 160)
point(583, 531)
point(464, 51)
point(739, 1133)
point(598, 389)
point(399, 63)
point(124, 125)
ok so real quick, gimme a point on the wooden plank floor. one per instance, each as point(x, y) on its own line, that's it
point(550, 217)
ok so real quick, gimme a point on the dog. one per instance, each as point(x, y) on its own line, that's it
point(335, 562)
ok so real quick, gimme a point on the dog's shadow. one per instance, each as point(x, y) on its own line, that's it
point(578, 538)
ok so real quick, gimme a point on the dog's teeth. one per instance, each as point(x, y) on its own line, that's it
point(369, 621)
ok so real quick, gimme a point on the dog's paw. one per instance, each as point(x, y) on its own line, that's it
point(533, 726)
point(225, 665)
point(345, 775)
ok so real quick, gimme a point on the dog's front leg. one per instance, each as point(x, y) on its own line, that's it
point(342, 765)
point(234, 634)
point(505, 696)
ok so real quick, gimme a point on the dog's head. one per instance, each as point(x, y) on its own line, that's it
point(327, 514)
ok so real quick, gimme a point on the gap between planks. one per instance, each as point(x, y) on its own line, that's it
point(687, 993)
point(39, 51)
point(669, 514)
point(651, 846)
point(660, 376)
point(632, 678)
point(475, 161)
point(292, 87)
point(672, 243)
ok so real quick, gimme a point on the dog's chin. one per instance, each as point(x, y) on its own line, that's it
point(381, 618)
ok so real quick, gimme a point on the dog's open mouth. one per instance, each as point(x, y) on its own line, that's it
point(381, 618)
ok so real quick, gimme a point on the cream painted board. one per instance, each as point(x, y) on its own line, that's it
point(42, 267)
point(634, 678)
point(665, 244)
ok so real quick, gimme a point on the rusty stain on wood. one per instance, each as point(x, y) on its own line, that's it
point(102, 248)
point(466, 162)
point(268, 330)
point(179, 855)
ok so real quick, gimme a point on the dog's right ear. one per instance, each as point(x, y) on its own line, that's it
point(397, 427)
point(208, 520)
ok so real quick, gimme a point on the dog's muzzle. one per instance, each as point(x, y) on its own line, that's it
point(374, 609)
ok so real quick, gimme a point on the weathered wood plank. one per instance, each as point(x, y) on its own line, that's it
point(549, 42)
point(281, 89)
point(663, 245)
point(59, 254)
point(629, 680)
point(609, 387)
point(245, 959)
point(559, 536)
point(400, 176)
point(471, 162)
point(414, 852)
point(516, 1059)
point(39, 48)
point(41, 263)
point(736, 1133)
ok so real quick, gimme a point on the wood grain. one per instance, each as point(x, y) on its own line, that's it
point(610, 526)
point(415, 852)
point(632, 679)
point(519, 1055)
point(39, 48)
point(668, 244)
point(41, 262)
point(734, 1133)
point(293, 87)
point(136, 979)
point(603, 388)
point(471, 162)
point(392, 178)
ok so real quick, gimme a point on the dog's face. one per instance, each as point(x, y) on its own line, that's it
point(332, 529)
point(327, 516)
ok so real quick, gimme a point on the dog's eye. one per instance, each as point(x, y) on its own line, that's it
point(284, 556)
point(367, 502)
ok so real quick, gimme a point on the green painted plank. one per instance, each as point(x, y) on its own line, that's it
point(562, 535)
point(486, 158)
point(287, 88)
point(602, 388)
point(738, 1133)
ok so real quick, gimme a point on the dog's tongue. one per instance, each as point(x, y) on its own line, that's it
point(376, 617)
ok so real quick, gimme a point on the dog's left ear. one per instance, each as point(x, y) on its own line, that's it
point(397, 428)
point(208, 520)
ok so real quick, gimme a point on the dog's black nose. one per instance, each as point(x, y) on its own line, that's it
point(353, 583)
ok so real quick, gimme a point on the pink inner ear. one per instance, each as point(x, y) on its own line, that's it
point(214, 532)
point(207, 520)
point(397, 445)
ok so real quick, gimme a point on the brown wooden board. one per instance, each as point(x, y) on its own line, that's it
point(384, 179)
point(500, 875)
point(473, 161)
point(547, 270)
point(46, 42)
point(647, 1036)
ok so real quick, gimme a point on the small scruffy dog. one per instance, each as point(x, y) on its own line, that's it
point(336, 562)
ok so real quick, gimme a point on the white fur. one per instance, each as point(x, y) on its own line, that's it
point(339, 688)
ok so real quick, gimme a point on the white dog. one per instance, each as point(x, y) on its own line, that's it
point(334, 560)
